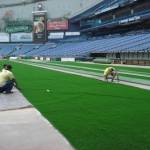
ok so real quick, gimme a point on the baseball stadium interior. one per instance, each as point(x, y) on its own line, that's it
point(101, 31)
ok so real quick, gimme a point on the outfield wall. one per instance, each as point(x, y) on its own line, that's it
point(127, 61)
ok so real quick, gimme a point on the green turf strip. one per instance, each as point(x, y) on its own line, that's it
point(99, 66)
point(91, 114)
point(97, 69)
point(122, 73)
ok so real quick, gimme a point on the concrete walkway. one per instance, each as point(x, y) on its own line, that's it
point(13, 101)
point(22, 127)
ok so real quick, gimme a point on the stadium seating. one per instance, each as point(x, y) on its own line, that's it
point(7, 49)
point(39, 48)
point(23, 49)
point(108, 44)
point(84, 48)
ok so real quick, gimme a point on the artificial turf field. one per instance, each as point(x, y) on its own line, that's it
point(124, 71)
point(91, 114)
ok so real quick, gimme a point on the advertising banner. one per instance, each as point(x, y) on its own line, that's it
point(4, 37)
point(15, 29)
point(21, 37)
point(14, 26)
point(68, 59)
point(39, 31)
point(72, 33)
point(58, 35)
point(130, 20)
point(57, 24)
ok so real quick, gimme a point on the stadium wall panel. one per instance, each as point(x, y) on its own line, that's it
point(54, 8)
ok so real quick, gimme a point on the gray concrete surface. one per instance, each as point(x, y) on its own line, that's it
point(26, 129)
point(13, 101)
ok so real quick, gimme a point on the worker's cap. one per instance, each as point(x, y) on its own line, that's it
point(9, 67)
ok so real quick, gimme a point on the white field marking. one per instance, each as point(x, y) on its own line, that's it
point(102, 70)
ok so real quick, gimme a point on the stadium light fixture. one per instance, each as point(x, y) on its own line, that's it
point(39, 6)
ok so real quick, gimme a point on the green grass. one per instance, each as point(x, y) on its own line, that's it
point(91, 114)
point(143, 73)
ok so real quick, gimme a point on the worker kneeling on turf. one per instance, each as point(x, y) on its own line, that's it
point(110, 71)
point(7, 80)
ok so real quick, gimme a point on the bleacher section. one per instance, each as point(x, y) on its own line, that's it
point(125, 43)
point(138, 42)
point(40, 49)
point(133, 42)
point(24, 49)
point(6, 49)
